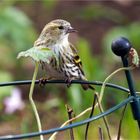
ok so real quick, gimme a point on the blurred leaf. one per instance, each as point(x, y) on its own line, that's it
point(50, 4)
point(85, 55)
point(100, 11)
point(51, 103)
point(5, 3)
point(113, 34)
point(75, 97)
point(6, 57)
point(16, 34)
point(91, 64)
point(16, 29)
point(5, 91)
point(134, 34)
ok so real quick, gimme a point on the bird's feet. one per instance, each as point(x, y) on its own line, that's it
point(42, 81)
point(68, 82)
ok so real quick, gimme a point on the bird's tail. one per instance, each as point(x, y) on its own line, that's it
point(87, 86)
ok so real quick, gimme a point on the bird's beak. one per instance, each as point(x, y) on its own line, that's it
point(71, 30)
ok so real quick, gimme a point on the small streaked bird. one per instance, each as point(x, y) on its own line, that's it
point(55, 37)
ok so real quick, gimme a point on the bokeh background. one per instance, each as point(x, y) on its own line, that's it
point(98, 23)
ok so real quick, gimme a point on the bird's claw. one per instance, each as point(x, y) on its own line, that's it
point(68, 82)
point(43, 81)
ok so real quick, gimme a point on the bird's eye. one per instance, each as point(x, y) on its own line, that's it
point(61, 27)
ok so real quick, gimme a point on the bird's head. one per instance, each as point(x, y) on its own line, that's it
point(57, 30)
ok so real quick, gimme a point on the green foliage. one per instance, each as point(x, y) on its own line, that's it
point(91, 65)
point(109, 37)
point(6, 57)
point(16, 34)
point(5, 76)
point(50, 4)
point(16, 29)
point(5, 3)
point(97, 12)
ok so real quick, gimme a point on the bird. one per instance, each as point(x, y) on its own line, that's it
point(55, 37)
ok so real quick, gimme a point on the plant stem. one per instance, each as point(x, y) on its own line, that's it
point(32, 101)
point(100, 134)
point(70, 112)
point(68, 121)
point(109, 77)
point(91, 114)
point(104, 118)
point(120, 123)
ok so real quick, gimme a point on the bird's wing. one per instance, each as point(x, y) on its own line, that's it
point(76, 58)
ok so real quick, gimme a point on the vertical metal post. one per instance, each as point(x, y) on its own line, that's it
point(121, 47)
point(135, 104)
point(129, 77)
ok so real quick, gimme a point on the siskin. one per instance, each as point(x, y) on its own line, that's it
point(55, 37)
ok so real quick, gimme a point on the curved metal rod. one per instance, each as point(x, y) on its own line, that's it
point(34, 134)
point(97, 83)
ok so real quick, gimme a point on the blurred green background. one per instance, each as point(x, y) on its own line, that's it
point(98, 23)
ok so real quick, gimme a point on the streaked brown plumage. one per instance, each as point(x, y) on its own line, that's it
point(55, 36)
